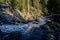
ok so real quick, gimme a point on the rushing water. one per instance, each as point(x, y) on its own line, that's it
point(27, 30)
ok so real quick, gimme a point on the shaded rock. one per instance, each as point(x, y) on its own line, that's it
point(9, 17)
point(6, 18)
point(54, 17)
point(14, 36)
point(4, 5)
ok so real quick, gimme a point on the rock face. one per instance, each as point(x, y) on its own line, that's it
point(7, 16)
point(4, 5)
point(54, 17)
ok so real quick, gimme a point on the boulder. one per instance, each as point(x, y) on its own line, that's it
point(6, 18)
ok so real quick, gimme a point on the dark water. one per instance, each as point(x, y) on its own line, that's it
point(29, 31)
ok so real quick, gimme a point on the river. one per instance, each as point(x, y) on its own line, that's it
point(29, 31)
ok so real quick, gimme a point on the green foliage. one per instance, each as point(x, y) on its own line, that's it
point(53, 6)
point(1, 0)
point(58, 7)
point(23, 4)
point(36, 7)
point(43, 6)
point(13, 3)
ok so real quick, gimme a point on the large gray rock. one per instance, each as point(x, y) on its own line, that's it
point(6, 18)
point(9, 17)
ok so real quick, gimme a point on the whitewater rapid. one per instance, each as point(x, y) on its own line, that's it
point(7, 28)
point(26, 29)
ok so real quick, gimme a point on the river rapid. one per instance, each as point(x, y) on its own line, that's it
point(29, 31)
